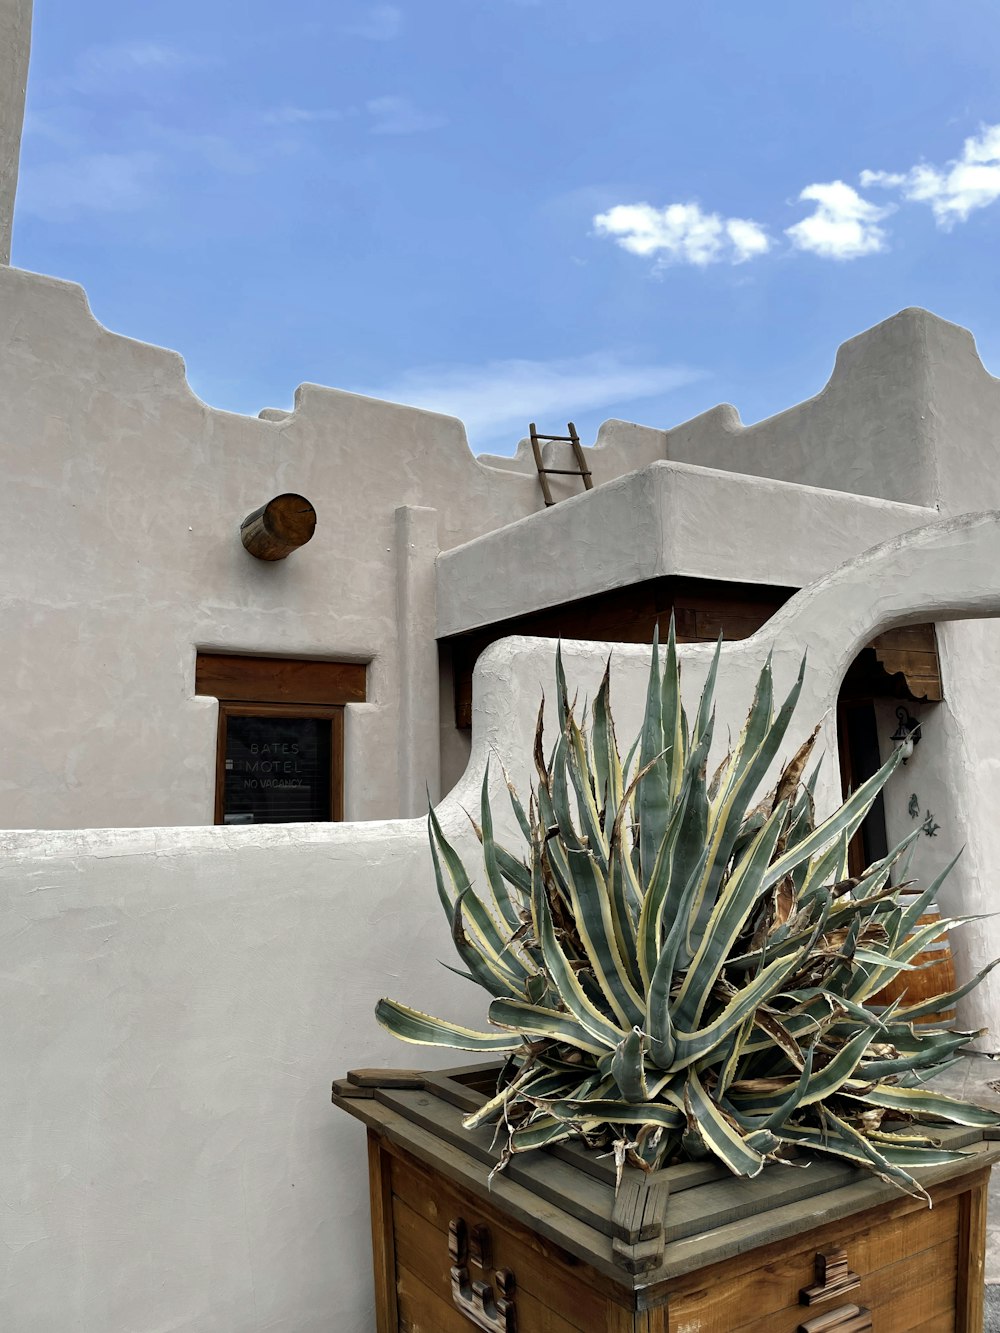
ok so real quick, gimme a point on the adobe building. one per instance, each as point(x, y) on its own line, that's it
point(156, 660)
point(164, 676)
point(187, 960)
point(135, 608)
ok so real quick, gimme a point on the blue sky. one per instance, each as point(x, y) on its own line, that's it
point(516, 209)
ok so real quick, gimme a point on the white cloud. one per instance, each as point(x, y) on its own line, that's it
point(91, 183)
point(682, 234)
point(958, 188)
point(380, 23)
point(498, 399)
point(398, 115)
point(890, 179)
point(300, 115)
point(749, 239)
point(843, 225)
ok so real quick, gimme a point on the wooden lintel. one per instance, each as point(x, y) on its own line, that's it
point(279, 680)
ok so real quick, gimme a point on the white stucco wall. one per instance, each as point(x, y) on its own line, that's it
point(175, 1004)
point(122, 499)
point(176, 1001)
point(15, 47)
point(876, 428)
point(668, 518)
point(901, 398)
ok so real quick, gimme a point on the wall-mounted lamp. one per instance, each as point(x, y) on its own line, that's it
point(907, 734)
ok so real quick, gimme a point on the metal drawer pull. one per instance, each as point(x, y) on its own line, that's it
point(847, 1319)
point(833, 1278)
point(489, 1309)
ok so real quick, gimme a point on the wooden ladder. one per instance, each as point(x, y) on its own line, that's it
point(581, 469)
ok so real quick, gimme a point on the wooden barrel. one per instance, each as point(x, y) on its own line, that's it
point(933, 974)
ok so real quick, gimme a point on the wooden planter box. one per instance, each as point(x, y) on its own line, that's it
point(550, 1248)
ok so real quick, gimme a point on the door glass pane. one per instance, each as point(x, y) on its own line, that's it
point(277, 770)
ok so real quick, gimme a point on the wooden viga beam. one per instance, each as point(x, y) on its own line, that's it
point(278, 528)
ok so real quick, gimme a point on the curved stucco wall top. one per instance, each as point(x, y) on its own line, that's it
point(947, 571)
point(908, 414)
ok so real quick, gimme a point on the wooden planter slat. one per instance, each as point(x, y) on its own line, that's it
point(453, 1086)
point(725, 1255)
point(517, 1203)
point(556, 1181)
point(770, 1232)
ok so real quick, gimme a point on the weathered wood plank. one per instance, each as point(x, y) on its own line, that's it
point(732, 1288)
point(899, 1296)
point(971, 1260)
point(423, 1249)
point(468, 1087)
point(683, 1176)
point(383, 1254)
point(640, 1257)
point(279, 679)
point(825, 1212)
point(720, 1203)
point(943, 1323)
point(550, 1273)
point(523, 1207)
point(423, 1311)
point(551, 1179)
point(450, 1087)
point(922, 636)
point(639, 1206)
point(386, 1078)
point(643, 1321)
point(341, 1088)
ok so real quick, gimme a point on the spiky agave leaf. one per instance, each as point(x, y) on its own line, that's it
point(682, 965)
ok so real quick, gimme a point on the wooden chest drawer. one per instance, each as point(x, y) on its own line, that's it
point(907, 1268)
point(552, 1246)
point(554, 1292)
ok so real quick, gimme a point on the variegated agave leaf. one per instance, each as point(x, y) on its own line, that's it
point(680, 964)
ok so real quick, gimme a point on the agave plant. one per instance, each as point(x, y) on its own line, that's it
point(681, 966)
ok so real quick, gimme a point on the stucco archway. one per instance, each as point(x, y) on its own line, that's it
point(947, 571)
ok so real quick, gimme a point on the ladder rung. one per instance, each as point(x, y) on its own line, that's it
point(581, 470)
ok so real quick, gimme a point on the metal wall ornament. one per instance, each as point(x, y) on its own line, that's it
point(907, 734)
